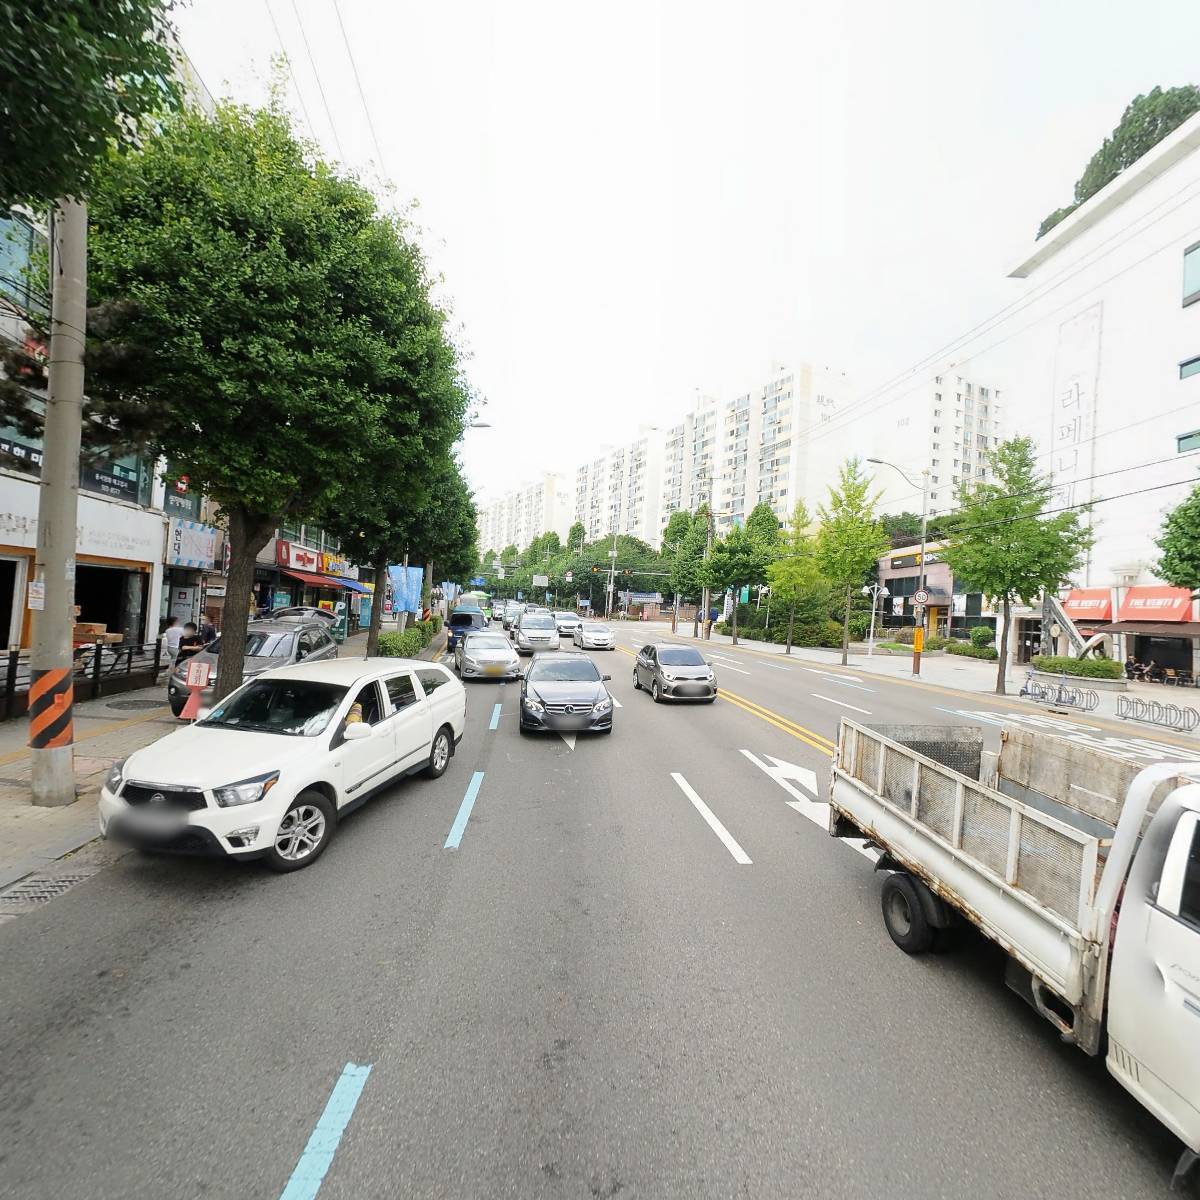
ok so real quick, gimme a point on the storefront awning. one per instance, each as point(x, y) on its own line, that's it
point(1156, 604)
point(317, 581)
point(1088, 604)
point(1179, 629)
point(351, 584)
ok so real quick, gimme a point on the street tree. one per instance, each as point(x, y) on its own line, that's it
point(763, 525)
point(576, 536)
point(75, 77)
point(510, 556)
point(1179, 542)
point(248, 321)
point(1002, 539)
point(796, 581)
point(674, 551)
point(736, 561)
point(850, 538)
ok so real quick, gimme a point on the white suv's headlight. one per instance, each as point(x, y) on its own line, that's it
point(245, 792)
point(116, 775)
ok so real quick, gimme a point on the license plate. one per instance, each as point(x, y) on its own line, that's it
point(155, 822)
point(494, 669)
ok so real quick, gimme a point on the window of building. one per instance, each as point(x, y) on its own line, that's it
point(1188, 441)
point(937, 397)
point(937, 429)
point(1191, 274)
point(937, 379)
point(1189, 366)
point(936, 445)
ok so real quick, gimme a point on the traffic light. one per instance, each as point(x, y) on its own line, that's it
point(628, 571)
point(595, 568)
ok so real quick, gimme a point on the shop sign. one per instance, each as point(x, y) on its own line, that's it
point(215, 590)
point(333, 564)
point(914, 560)
point(111, 479)
point(281, 599)
point(180, 500)
point(191, 544)
point(23, 456)
point(298, 558)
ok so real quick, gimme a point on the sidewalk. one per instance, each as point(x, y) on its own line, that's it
point(106, 730)
point(972, 675)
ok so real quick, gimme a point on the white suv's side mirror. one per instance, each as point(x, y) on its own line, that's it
point(358, 732)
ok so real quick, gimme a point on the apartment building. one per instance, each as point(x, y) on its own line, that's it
point(525, 513)
point(764, 445)
point(946, 425)
point(621, 489)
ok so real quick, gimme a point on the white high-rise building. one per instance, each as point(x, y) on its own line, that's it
point(945, 425)
point(620, 489)
point(520, 516)
point(763, 446)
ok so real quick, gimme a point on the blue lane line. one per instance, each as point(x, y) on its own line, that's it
point(496, 717)
point(464, 812)
point(323, 1143)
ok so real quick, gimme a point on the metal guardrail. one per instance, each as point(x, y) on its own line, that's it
point(1181, 717)
point(1061, 694)
point(98, 667)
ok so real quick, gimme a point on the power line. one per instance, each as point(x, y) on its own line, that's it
point(320, 87)
point(287, 58)
point(361, 94)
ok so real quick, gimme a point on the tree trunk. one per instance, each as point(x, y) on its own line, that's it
point(427, 588)
point(735, 608)
point(791, 623)
point(248, 534)
point(846, 629)
point(377, 607)
point(675, 614)
point(696, 622)
point(1006, 609)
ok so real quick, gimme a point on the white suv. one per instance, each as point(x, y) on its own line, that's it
point(274, 767)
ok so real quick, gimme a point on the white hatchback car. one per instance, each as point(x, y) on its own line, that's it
point(273, 768)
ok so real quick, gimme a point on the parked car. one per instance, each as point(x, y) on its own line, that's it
point(671, 672)
point(275, 767)
point(592, 635)
point(567, 623)
point(269, 644)
point(535, 631)
point(565, 692)
point(461, 621)
point(480, 654)
point(302, 612)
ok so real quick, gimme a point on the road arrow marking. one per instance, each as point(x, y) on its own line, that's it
point(569, 738)
point(616, 702)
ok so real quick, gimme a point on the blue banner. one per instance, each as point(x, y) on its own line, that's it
point(406, 588)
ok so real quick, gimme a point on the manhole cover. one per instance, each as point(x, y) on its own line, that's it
point(37, 889)
point(132, 704)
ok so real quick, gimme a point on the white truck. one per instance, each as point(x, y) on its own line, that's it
point(1084, 868)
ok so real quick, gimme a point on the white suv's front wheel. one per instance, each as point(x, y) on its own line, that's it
point(303, 834)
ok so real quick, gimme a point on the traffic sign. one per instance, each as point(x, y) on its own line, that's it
point(921, 597)
point(478, 581)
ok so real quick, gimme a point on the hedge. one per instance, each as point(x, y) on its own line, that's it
point(412, 641)
point(970, 651)
point(1089, 668)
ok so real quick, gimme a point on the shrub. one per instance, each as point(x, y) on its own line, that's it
point(972, 651)
point(1088, 668)
point(904, 635)
point(982, 636)
point(860, 626)
point(408, 644)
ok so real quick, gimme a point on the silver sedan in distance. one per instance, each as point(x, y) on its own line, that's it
point(567, 623)
point(671, 672)
point(484, 655)
point(535, 631)
point(592, 635)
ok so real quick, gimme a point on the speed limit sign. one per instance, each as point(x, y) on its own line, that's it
point(921, 597)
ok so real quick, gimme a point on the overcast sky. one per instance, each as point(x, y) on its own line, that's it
point(633, 200)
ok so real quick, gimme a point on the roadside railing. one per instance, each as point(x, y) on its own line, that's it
point(99, 669)
point(1060, 694)
point(1180, 717)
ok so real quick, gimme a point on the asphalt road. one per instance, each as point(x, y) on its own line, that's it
point(594, 995)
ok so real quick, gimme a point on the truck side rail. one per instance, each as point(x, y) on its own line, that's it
point(1026, 878)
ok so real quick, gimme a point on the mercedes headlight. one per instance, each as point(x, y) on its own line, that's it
point(245, 792)
point(534, 706)
point(602, 706)
point(116, 776)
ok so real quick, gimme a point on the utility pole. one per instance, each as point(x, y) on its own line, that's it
point(612, 575)
point(706, 624)
point(51, 691)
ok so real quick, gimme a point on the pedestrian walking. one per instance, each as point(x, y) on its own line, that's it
point(190, 643)
point(171, 638)
point(208, 631)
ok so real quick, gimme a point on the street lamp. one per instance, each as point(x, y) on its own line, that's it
point(919, 635)
point(874, 590)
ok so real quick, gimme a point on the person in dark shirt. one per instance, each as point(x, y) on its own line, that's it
point(208, 631)
point(189, 643)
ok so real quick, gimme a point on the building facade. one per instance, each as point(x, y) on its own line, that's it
point(521, 515)
point(621, 489)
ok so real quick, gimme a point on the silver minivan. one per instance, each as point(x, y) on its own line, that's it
point(268, 644)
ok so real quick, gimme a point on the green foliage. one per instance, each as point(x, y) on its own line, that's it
point(971, 650)
point(763, 526)
point(1088, 668)
point(576, 536)
point(408, 644)
point(677, 527)
point(860, 626)
point(1146, 121)
point(76, 76)
point(1000, 539)
point(1179, 542)
point(851, 538)
point(687, 560)
point(509, 555)
point(982, 635)
point(738, 559)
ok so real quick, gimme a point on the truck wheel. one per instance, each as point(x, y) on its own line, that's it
point(903, 915)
